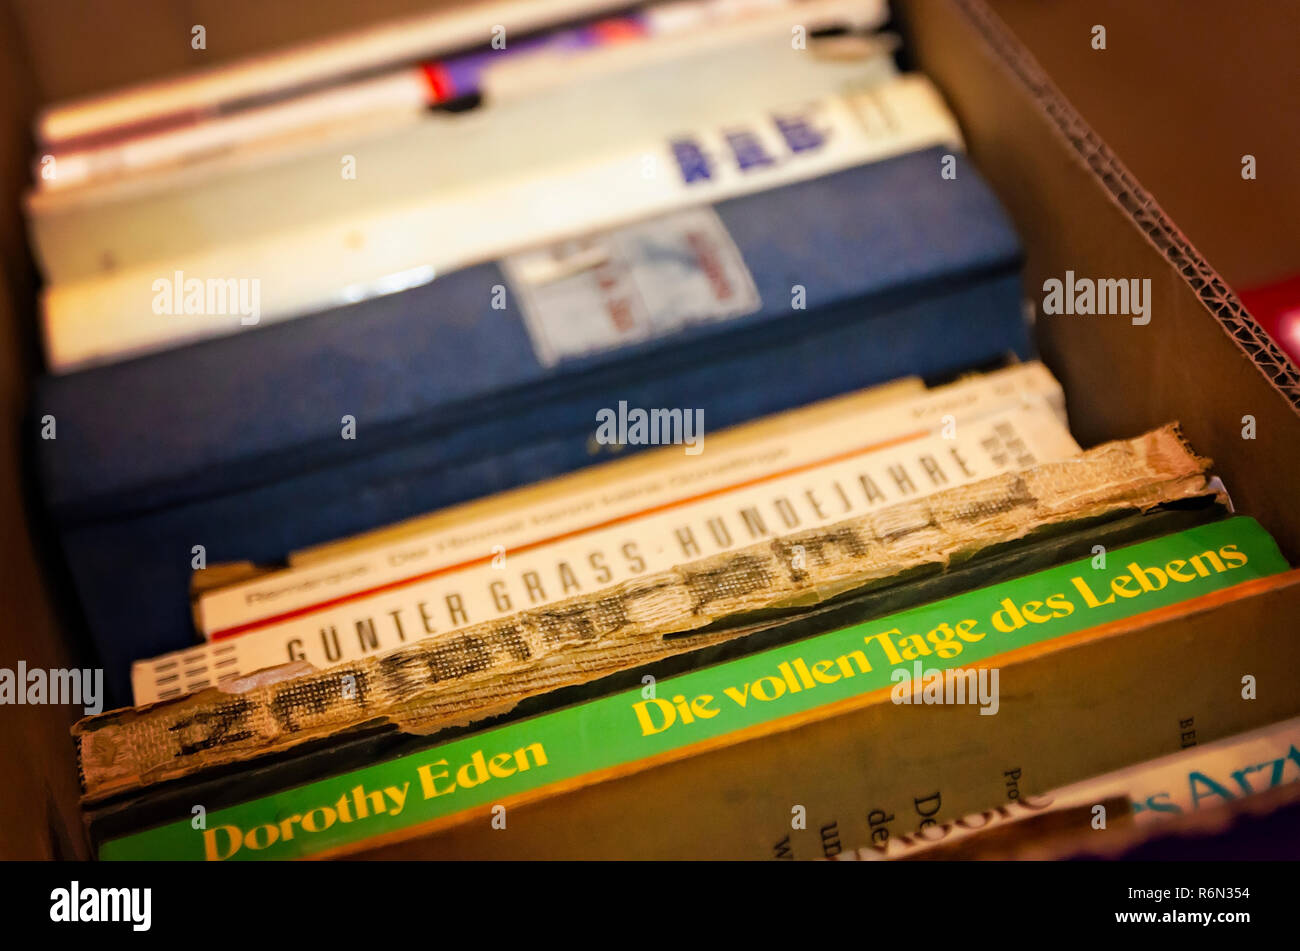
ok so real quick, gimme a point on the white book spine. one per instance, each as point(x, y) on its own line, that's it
point(675, 476)
point(401, 92)
point(383, 45)
point(399, 42)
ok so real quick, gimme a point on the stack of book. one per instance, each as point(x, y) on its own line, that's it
point(605, 434)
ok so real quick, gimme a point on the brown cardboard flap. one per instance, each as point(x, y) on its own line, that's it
point(1202, 359)
point(1183, 93)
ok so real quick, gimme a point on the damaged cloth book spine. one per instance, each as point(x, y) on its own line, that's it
point(485, 669)
point(750, 696)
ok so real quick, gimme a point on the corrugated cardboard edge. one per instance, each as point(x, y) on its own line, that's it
point(1140, 206)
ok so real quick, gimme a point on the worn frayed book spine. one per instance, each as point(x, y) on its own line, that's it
point(497, 556)
point(488, 668)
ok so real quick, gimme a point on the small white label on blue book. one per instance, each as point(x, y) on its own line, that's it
point(630, 284)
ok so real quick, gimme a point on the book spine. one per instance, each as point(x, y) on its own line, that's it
point(397, 247)
point(675, 477)
point(761, 694)
point(490, 666)
point(387, 45)
point(595, 104)
point(380, 46)
point(1201, 776)
point(404, 92)
point(191, 138)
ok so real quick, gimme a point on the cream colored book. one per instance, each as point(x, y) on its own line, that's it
point(384, 44)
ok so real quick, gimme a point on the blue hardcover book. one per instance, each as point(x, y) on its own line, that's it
point(294, 434)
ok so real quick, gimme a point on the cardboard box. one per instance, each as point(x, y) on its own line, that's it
point(1201, 359)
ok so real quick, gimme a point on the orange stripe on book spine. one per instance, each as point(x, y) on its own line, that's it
point(563, 536)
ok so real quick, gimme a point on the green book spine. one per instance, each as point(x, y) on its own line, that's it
point(680, 715)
